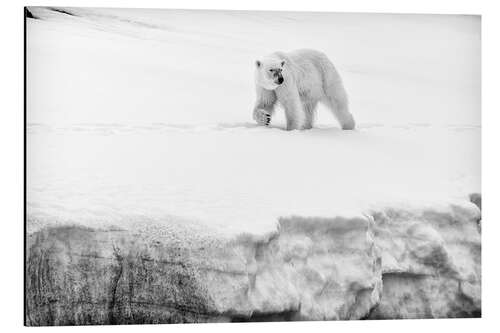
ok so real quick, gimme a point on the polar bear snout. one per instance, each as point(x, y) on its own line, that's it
point(278, 77)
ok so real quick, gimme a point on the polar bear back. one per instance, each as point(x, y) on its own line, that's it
point(313, 73)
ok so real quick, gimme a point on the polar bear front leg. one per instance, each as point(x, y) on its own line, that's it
point(294, 111)
point(291, 122)
point(262, 117)
point(264, 106)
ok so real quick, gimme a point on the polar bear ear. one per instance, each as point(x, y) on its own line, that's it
point(283, 63)
point(257, 63)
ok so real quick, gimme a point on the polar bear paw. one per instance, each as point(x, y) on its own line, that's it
point(262, 117)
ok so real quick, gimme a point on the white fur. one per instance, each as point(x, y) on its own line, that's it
point(309, 78)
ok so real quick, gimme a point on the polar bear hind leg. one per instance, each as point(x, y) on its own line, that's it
point(336, 101)
point(335, 96)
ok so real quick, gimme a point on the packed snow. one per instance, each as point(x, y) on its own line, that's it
point(147, 113)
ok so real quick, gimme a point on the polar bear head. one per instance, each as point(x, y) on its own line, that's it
point(269, 72)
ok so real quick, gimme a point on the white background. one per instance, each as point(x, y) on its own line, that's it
point(11, 141)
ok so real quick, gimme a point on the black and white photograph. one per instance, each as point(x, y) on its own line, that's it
point(221, 166)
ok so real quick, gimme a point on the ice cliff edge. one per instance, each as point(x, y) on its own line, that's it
point(388, 263)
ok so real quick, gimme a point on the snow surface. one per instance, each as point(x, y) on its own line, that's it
point(144, 114)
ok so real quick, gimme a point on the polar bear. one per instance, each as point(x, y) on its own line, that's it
point(298, 81)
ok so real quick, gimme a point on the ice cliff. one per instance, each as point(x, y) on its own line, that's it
point(421, 262)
